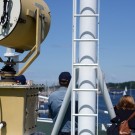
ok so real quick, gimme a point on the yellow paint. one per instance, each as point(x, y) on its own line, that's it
point(23, 37)
point(18, 108)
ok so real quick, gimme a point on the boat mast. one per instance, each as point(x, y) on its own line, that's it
point(85, 35)
point(87, 75)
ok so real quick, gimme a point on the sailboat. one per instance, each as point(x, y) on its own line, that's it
point(125, 91)
point(116, 92)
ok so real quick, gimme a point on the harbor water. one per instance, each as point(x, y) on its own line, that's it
point(103, 118)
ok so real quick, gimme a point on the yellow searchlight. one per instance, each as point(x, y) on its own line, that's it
point(24, 24)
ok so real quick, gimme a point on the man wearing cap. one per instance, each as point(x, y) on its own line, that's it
point(55, 102)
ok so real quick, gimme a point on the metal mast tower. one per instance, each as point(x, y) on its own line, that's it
point(85, 65)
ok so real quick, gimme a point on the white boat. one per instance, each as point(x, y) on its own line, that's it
point(23, 27)
point(116, 92)
point(125, 91)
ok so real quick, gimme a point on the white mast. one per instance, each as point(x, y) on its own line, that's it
point(87, 74)
point(85, 25)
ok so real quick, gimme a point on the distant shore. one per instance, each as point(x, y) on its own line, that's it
point(121, 85)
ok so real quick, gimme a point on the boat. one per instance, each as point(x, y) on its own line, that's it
point(24, 25)
point(119, 92)
point(116, 92)
point(125, 91)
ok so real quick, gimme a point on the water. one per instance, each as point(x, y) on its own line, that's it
point(102, 117)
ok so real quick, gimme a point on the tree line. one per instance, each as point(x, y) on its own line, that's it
point(129, 85)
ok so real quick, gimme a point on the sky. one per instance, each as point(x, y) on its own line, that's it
point(116, 46)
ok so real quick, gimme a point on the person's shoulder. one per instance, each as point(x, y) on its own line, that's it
point(53, 93)
point(59, 90)
point(62, 88)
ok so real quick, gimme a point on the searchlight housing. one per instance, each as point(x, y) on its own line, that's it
point(24, 24)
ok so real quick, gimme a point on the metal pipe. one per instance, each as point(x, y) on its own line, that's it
point(62, 110)
point(87, 74)
point(106, 96)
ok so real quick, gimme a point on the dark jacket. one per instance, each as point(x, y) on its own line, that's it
point(122, 115)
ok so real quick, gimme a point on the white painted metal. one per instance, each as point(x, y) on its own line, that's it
point(85, 39)
point(88, 64)
point(9, 53)
point(86, 115)
point(1, 126)
point(73, 69)
point(42, 97)
point(88, 15)
point(87, 76)
point(14, 56)
point(14, 8)
point(106, 96)
point(46, 120)
point(85, 90)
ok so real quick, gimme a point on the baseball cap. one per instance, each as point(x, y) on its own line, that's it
point(65, 76)
point(20, 79)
